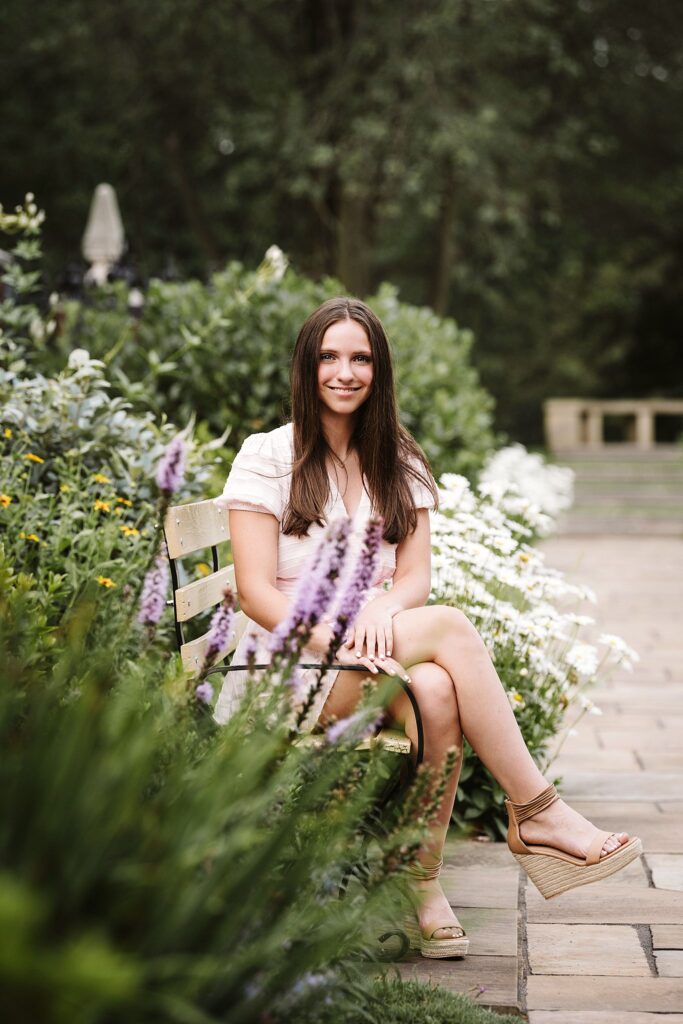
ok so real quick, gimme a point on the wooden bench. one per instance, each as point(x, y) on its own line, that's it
point(203, 526)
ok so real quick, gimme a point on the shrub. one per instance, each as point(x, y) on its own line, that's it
point(221, 352)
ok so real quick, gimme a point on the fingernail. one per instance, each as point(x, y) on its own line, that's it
point(406, 679)
point(372, 657)
point(358, 654)
point(391, 672)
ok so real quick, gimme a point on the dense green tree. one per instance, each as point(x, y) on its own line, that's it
point(515, 164)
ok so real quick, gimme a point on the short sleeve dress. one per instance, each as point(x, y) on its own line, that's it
point(259, 481)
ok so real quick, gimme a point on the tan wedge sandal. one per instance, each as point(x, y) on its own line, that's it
point(423, 938)
point(553, 871)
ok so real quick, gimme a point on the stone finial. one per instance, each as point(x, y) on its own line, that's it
point(104, 239)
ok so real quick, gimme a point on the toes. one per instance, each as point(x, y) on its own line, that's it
point(616, 840)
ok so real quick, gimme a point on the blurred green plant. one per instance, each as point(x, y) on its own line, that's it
point(156, 867)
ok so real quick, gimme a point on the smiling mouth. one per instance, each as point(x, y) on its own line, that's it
point(344, 391)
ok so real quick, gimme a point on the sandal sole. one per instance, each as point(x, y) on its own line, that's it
point(553, 875)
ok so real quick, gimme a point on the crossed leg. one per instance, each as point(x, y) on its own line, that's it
point(443, 645)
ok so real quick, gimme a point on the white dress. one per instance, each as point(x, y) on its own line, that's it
point(259, 481)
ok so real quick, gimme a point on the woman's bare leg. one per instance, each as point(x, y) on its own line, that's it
point(446, 637)
point(435, 694)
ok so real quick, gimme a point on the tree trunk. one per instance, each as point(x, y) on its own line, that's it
point(444, 246)
point(353, 242)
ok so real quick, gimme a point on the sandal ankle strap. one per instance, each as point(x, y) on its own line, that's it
point(425, 872)
point(539, 803)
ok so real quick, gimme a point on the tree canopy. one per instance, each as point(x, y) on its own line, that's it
point(513, 163)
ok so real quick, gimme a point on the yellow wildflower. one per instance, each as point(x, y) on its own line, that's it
point(5, 499)
point(125, 501)
point(203, 569)
point(7, 432)
point(64, 488)
point(100, 478)
point(118, 511)
point(129, 531)
point(29, 536)
point(104, 581)
point(33, 458)
point(102, 506)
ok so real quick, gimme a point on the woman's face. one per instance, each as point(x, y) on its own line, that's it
point(345, 369)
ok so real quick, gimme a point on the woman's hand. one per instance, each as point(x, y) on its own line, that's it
point(376, 666)
point(373, 632)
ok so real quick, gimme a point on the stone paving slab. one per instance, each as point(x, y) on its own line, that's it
point(667, 870)
point(594, 761)
point(669, 963)
point(652, 741)
point(489, 980)
point(660, 761)
point(636, 786)
point(667, 936)
point(603, 904)
point(661, 995)
point(483, 886)
point(602, 1017)
point(578, 949)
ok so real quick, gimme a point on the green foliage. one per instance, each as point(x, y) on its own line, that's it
point(221, 353)
point(487, 158)
point(155, 867)
point(413, 1002)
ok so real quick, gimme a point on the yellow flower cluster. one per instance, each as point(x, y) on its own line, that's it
point(102, 506)
point(29, 536)
point(100, 478)
point(5, 500)
point(104, 581)
point(7, 432)
point(125, 501)
point(33, 458)
point(129, 531)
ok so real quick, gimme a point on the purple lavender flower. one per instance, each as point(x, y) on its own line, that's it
point(355, 728)
point(315, 591)
point(359, 581)
point(154, 590)
point(171, 468)
point(219, 629)
point(297, 684)
point(204, 692)
point(250, 649)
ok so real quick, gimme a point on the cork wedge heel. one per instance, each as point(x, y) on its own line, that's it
point(436, 949)
point(552, 871)
point(423, 938)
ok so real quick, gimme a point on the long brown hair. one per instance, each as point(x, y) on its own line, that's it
point(388, 455)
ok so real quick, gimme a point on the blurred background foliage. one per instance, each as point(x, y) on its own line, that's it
point(514, 165)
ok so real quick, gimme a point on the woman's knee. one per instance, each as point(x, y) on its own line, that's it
point(434, 692)
point(451, 621)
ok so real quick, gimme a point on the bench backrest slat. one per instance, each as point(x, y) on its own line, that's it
point(189, 528)
point(192, 653)
point(201, 594)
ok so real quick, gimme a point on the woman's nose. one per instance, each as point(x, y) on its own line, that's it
point(345, 371)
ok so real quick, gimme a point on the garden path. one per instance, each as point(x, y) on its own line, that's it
point(612, 952)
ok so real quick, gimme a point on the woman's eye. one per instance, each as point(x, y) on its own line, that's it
point(364, 359)
point(326, 356)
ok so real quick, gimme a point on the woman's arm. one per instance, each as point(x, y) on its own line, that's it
point(254, 537)
point(372, 633)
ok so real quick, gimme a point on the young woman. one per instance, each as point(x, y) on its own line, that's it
point(345, 452)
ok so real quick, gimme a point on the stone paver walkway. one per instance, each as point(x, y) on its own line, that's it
point(612, 952)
